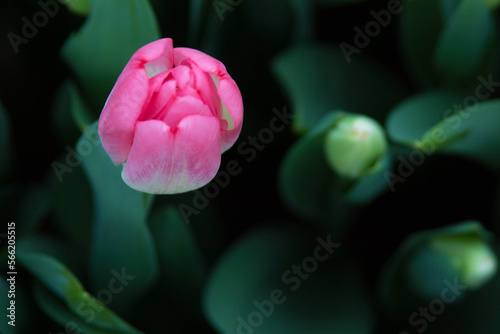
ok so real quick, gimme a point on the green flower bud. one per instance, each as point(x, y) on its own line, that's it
point(493, 4)
point(79, 7)
point(470, 255)
point(355, 145)
point(464, 257)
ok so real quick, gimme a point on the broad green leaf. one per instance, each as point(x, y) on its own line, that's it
point(419, 269)
point(472, 132)
point(80, 112)
point(182, 275)
point(306, 181)
point(71, 115)
point(121, 238)
point(99, 51)
point(330, 81)
point(411, 119)
point(65, 286)
point(73, 206)
point(5, 142)
point(465, 40)
point(178, 254)
point(63, 123)
point(253, 287)
point(418, 38)
point(58, 311)
point(48, 245)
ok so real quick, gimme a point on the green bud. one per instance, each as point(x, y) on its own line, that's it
point(493, 4)
point(355, 145)
point(466, 257)
point(79, 7)
point(470, 255)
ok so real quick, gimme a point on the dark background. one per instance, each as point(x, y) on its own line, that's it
point(428, 198)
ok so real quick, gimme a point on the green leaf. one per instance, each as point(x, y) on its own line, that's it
point(99, 51)
point(48, 245)
point(178, 254)
point(5, 144)
point(465, 41)
point(472, 132)
point(253, 287)
point(80, 112)
point(70, 113)
point(65, 286)
point(73, 206)
point(418, 38)
point(121, 238)
point(410, 120)
point(63, 124)
point(329, 82)
point(57, 310)
point(306, 180)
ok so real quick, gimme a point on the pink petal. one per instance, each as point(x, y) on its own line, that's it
point(206, 88)
point(163, 90)
point(128, 97)
point(205, 62)
point(182, 107)
point(169, 161)
point(182, 75)
point(232, 109)
point(227, 89)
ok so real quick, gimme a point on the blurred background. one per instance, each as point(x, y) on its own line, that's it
point(232, 254)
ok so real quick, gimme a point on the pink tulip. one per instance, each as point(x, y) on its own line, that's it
point(170, 115)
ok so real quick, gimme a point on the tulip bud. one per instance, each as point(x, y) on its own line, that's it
point(443, 264)
point(355, 145)
point(170, 115)
point(468, 258)
point(78, 7)
point(493, 4)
